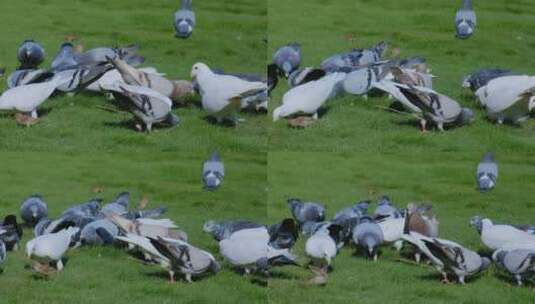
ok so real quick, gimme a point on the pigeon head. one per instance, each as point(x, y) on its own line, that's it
point(212, 180)
point(30, 54)
point(485, 182)
point(211, 227)
point(384, 200)
point(477, 223)
point(464, 29)
point(467, 116)
point(287, 68)
point(198, 70)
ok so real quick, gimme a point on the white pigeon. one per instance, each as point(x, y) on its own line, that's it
point(222, 94)
point(309, 97)
point(51, 247)
point(499, 236)
point(392, 228)
point(321, 247)
point(508, 98)
point(26, 98)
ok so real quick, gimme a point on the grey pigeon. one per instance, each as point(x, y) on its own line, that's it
point(465, 20)
point(213, 171)
point(65, 58)
point(10, 232)
point(385, 208)
point(287, 58)
point(354, 58)
point(119, 205)
point(33, 209)
point(368, 235)
point(185, 258)
point(306, 212)
point(449, 257)
point(224, 229)
point(487, 173)
point(184, 20)
point(30, 54)
point(495, 236)
point(518, 262)
point(3, 254)
point(99, 232)
point(90, 208)
point(481, 77)
point(284, 234)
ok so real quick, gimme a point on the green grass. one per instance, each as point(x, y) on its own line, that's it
point(339, 180)
point(504, 38)
point(108, 275)
point(228, 36)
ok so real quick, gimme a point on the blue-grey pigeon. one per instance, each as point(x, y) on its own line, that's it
point(33, 209)
point(287, 58)
point(487, 173)
point(306, 211)
point(184, 20)
point(465, 20)
point(224, 229)
point(369, 236)
point(30, 54)
point(213, 172)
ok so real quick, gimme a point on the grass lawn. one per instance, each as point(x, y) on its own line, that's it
point(339, 180)
point(229, 35)
point(109, 275)
point(504, 37)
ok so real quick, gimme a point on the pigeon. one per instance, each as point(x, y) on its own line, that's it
point(184, 20)
point(385, 208)
point(222, 95)
point(90, 208)
point(30, 54)
point(309, 97)
point(354, 58)
point(224, 229)
point(148, 227)
point(102, 55)
point(27, 98)
point(119, 205)
point(147, 105)
point(10, 232)
point(517, 262)
point(449, 257)
point(306, 212)
point(358, 210)
point(3, 254)
point(465, 20)
point(287, 58)
point(213, 172)
point(185, 258)
point(283, 235)
point(99, 232)
point(343, 229)
point(51, 247)
point(321, 247)
point(27, 76)
point(420, 219)
point(368, 235)
point(360, 81)
point(302, 76)
point(508, 98)
point(150, 252)
point(64, 60)
point(137, 77)
point(428, 105)
point(498, 236)
point(33, 209)
point(487, 173)
point(249, 250)
point(482, 77)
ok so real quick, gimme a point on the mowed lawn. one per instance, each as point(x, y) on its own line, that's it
point(505, 37)
point(228, 35)
point(339, 180)
point(110, 275)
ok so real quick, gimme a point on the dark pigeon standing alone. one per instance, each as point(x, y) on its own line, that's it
point(487, 173)
point(465, 20)
point(30, 54)
point(288, 58)
point(33, 209)
point(213, 172)
point(184, 20)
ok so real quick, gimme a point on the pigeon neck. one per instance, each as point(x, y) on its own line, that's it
point(467, 4)
point(186, 4)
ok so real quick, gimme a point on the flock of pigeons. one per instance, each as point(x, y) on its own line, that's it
point(252, 247)
point(144, 92)
point(505, 95)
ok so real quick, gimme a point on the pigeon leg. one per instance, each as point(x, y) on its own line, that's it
point(315, 116)
point(171, 276)
point(398, 245)
point(16, 246)
point(440, 127)
point(518, 280)
point(188, 278)
point(423, 124)
point(149, 127)
point(461, 280)
point(445, 279)
point(59, 265)
point(417, 257)
point(34, 113)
